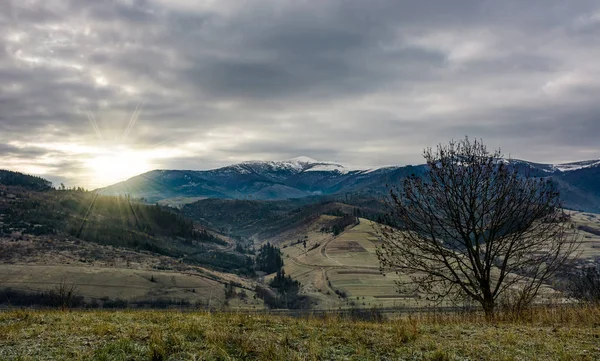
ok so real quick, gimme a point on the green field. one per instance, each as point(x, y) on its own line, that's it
point(562, 334)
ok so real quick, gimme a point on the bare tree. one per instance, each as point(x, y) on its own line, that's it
point(474, 227)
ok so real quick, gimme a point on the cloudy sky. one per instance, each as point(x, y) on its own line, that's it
point(94, 91)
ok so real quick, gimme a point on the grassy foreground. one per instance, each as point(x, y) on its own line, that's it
point(565, 334)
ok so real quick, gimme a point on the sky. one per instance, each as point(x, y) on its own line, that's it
point(93, 92)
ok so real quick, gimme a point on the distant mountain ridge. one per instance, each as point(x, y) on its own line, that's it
point(561, 167)
point(294, 178)
point(303, 177)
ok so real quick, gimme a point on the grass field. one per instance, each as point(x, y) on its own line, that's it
point(127, 284)
point(100, 272)
point(563, 334)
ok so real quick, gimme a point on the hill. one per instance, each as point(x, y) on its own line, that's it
point(110, 248)
point(116, 221)
point(307, 178)
point(10, 178)
point(260, 220)
point(107, 276)
point(342, 270)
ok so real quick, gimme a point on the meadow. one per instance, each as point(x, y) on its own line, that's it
point(542, 334)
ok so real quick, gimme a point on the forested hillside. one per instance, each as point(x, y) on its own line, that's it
point(10, 178)
point(264, 219)
point(116, 221)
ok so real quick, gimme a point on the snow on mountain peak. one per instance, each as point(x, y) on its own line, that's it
point(307, 164)
point(299, 165)
point(303, 159)
point(328, 167)
point(566, 167)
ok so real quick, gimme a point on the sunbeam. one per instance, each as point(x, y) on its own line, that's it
point(112, 163)
point(112, 166)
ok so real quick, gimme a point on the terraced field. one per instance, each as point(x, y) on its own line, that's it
point(345, 265)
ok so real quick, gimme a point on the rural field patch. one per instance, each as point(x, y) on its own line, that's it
point(358, 272)
point(98, 282)
point(346, 247)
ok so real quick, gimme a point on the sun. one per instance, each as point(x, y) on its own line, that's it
point(111, 167)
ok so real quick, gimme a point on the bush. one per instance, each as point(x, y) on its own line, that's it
point(585, 285)
point(364, 314)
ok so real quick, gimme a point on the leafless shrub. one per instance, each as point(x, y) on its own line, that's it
point(66, 295)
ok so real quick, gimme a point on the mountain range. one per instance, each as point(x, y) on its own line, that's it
point(301, 177)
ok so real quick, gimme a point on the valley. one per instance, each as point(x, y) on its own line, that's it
point(190, 251)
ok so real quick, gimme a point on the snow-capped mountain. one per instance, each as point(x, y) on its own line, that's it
point(552, 168)
point(292, 178)
point(568, 167)
point(303, 176)
point(294, 165)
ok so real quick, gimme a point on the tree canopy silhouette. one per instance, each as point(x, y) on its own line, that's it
point(473, 227)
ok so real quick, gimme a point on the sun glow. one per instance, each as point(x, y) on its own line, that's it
point(115, 166)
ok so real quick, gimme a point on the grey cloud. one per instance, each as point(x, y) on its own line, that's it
point(350, 81)
point(9, 150)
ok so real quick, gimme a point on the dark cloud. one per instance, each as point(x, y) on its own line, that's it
point(11, 150)
point(366, 83)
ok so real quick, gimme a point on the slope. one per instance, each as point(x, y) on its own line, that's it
point(343, 270)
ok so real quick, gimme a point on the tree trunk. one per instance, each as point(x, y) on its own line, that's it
point(488, 305)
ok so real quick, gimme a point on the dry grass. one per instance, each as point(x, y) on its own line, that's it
point(346, 263)
point(552, 334)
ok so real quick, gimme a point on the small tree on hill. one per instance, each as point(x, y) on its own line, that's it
point(269, 259)
point(287, 288)
point(473, 227)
